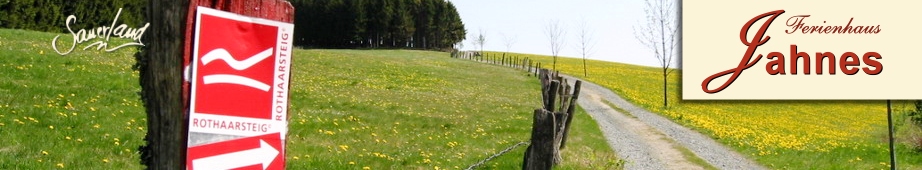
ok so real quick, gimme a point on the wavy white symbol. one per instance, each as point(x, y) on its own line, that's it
point(223, 55)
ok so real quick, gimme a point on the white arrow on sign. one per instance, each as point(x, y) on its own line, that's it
point(265, 154)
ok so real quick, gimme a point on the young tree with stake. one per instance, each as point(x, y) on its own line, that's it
point(508, 41)
point(585, 45)
point(555, 36)
point(481, 39)
point(659, 34)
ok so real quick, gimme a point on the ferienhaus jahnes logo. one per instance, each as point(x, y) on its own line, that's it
point(848, 62)
point(781, 50)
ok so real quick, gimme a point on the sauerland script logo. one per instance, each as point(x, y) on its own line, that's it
point(101, 34)
point(808, 53)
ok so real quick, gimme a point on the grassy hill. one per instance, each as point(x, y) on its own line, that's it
point(350, 109)
point(779, 134)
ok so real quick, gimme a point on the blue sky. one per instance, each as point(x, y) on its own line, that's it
point(611, 21)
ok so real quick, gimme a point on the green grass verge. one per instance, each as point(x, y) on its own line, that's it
point(585, 149)
point(79, 111)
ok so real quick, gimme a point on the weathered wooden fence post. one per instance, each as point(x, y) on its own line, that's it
point(555, 117)
point(570, 110)
point(515, 62)
point(539, 154)
point(520, 63)
point(160, 68)
point(537, 68)
point(160, 63)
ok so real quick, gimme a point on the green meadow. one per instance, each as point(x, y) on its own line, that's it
point(777, 134)
point(350, 109)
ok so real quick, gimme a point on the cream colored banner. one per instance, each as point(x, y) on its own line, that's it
point(873, 45)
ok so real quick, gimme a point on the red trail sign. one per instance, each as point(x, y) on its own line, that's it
point(238, 78)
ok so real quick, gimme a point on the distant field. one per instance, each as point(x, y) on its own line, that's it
point(414, 109)
point(779, 134)
point(350, 109)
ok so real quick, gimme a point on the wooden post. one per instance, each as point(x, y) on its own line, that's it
point(525, 63)
point(516, 62)
point(520, 63)
point(552, 122)
point(550, 101)
point(539, 155)
point(569, 111)
point(559, 119)
point(560, 94)
point(160, 65)
point(528, 67)
point(160, 75)
point(531, 66)
point(538, 66)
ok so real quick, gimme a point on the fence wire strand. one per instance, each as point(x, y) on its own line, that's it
point(495, 155)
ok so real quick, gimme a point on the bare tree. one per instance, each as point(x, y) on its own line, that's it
point(508, 41)
point(585, 44)
point(480, 40)
point(659, 34)
point(555, 35)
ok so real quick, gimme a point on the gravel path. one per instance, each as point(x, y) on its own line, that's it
point(642, 138)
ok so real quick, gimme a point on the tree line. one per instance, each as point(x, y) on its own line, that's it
point(50, 15)
point(418, 24)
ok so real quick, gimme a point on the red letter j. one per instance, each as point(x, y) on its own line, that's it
point(744, 64)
